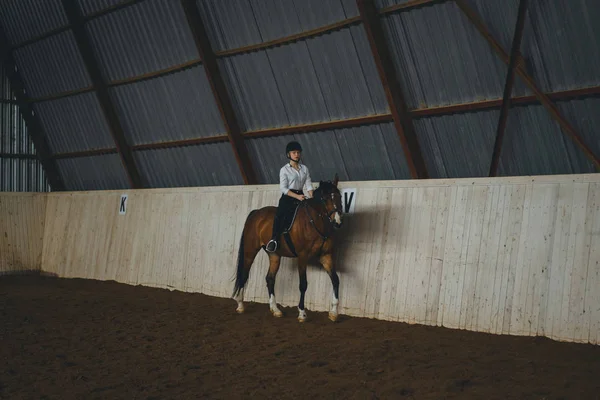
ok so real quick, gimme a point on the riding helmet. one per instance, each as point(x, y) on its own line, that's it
point(291, 146)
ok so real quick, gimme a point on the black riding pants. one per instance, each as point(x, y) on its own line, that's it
point(286, 205)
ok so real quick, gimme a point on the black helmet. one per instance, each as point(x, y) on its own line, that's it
point(291, 146)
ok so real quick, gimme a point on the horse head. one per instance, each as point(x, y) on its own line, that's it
point(331, 197)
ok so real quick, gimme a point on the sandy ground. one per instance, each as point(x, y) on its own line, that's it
point(63, 339)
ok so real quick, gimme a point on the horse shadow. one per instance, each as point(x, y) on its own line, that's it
point(359, 227)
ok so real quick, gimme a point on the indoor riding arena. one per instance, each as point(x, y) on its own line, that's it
point(138, 137)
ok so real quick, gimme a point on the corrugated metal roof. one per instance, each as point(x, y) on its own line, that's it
point(500, 19)
point(584, 116)
point(22, 176)
point(360, 153)
point(92, 6)
point(276, 18)
point(14, 136)
point(25, 19)
point(535, 145)
point(559, 39)
point(203, 165)
point(568, 35)
point(13, 131)
point(104, 172)
point(372, 153)
point(5, 86)
point(74, 123)
point(388, 3)
point(52, 65)
point(228, 25)
point(253, 90)
point(442, 59)
point(459, 145)
point(231, 25)
point(320, 79)
point(149, 36)
point(17, 175)
point(176, 106)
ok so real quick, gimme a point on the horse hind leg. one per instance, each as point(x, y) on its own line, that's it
point(274, 262)
point(247, 254)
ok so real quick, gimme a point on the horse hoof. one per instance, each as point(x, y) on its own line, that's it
point(277, 314)
point(239, 310)
point(333, 317)
point(302, 315)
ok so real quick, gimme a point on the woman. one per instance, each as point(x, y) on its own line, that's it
point(293, 178)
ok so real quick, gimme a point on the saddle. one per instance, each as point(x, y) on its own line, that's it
point(287, 224)
point(289, 218)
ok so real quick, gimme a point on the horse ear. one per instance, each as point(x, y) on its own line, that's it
point(335, 179)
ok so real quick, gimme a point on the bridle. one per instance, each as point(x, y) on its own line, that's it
point(323, 216)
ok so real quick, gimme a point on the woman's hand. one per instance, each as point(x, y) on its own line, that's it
point(299, 196)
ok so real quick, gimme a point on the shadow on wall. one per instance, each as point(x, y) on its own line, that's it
point(28, 272)
point(359, 232)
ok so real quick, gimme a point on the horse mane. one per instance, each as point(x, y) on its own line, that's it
point(324, 187)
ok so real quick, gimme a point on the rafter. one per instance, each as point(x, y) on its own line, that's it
point(409, 5)
point(76, 20)
point(18, 156)
point(34, 127)
point(217, 85)
point(510, 80)
point(59, 30)
point(349, 123)
point(387, 74)
point(567, 128)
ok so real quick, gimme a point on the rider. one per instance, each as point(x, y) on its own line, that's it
point(293, 177)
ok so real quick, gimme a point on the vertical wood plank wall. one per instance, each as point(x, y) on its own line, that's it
point(21, 232)
point(514, 256)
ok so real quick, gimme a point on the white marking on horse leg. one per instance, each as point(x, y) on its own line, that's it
point(273, 306)
point(301, 315)
point(333, 313)
point(239, 298)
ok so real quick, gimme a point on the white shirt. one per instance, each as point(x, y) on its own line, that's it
point(290, 178)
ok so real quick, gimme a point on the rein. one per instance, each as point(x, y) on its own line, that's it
point(322, 216)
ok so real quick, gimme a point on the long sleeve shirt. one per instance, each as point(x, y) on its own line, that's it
point(290, 178)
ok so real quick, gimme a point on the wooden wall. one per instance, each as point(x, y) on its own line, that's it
point(21, 232)
point(506, 255)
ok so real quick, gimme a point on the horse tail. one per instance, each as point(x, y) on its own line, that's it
point(242, 273)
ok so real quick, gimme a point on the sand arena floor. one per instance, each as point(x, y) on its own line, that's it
point(83, 339)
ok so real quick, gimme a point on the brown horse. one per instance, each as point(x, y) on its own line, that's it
point(311, 235)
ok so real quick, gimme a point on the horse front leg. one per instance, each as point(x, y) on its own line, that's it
point(274, 262)
point(303, 285)
point(327, 262)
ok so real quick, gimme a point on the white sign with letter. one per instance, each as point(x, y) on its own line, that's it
point(123, 204)
point(348, 200)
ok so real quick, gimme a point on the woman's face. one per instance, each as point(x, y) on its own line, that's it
point(295, 155)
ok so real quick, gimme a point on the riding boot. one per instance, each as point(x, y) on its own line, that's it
point(274, 242)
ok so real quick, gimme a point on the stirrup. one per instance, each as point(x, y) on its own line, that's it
point(274, 246)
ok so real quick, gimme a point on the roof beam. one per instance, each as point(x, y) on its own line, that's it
point(387, 74)
point(567, 128)
point(57, 31)
point(217, 85)
point(497, 103)
point(34, 126)
point(409, 5)
point(510, 80)
point(18, 156)
point(77, 21)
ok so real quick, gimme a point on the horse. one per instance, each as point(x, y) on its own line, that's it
point(312, 235)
